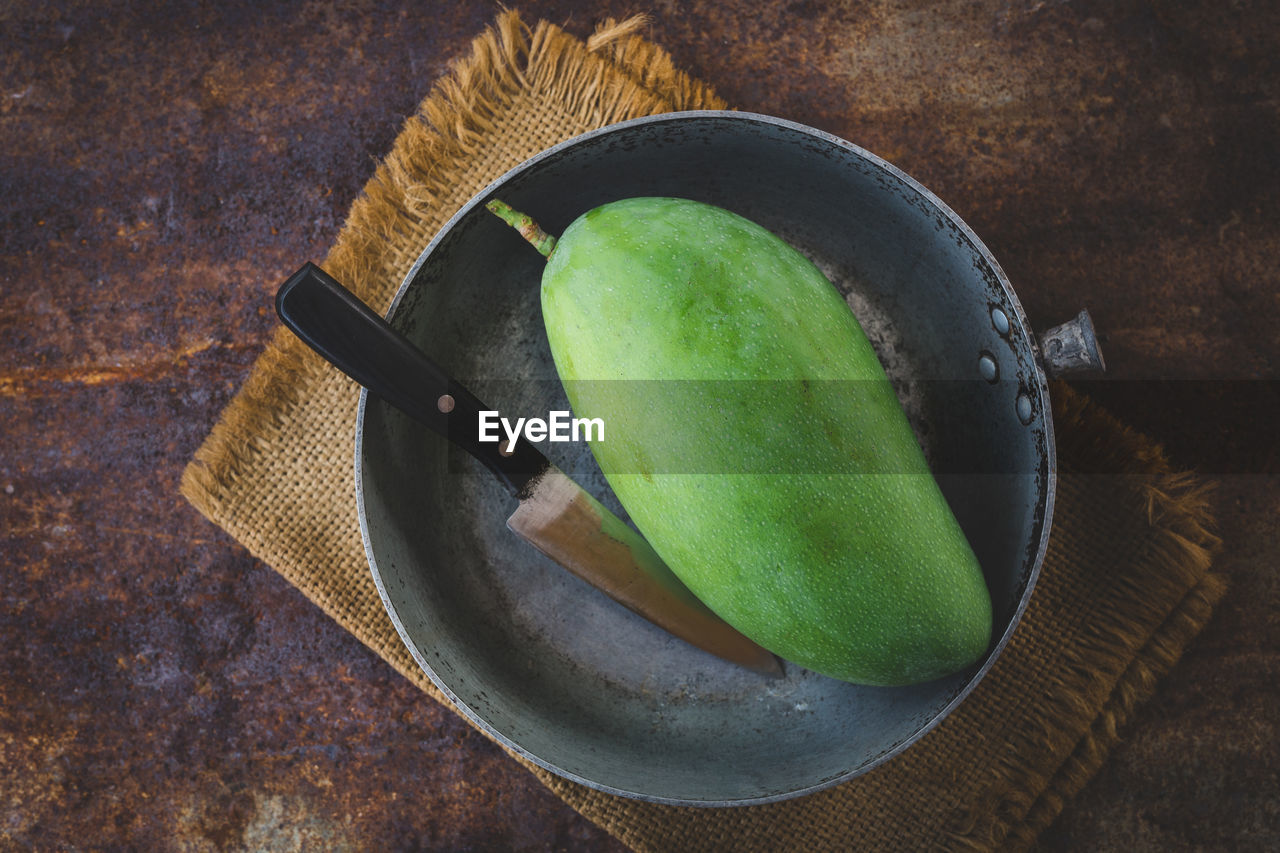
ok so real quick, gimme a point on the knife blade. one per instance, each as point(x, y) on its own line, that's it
point(555, 514)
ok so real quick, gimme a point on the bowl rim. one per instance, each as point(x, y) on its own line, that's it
point(1043, 409)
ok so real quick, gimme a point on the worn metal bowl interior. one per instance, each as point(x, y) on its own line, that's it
point(552, 668)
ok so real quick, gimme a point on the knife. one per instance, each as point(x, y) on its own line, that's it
point(555, 514)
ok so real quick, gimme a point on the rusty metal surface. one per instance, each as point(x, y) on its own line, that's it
point(165, 165)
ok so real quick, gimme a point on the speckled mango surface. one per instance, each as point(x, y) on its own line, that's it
point(753, 437)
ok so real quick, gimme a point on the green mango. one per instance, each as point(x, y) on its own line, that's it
point(756, 442)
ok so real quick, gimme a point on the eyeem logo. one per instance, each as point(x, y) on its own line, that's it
point(558, 426)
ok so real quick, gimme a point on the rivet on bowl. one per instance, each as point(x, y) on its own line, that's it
point(1000, 320)
point(1023, 407)
point(987, 367)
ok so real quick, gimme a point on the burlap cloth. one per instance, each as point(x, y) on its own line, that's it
point(1125, 585)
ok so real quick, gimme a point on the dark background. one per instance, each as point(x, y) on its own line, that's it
point(164, 166)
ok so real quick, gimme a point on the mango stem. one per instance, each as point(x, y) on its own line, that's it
point(523, 222)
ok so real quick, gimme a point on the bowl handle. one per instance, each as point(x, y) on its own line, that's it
point(1071, 348)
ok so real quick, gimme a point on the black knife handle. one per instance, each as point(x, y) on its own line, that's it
point(333, 322)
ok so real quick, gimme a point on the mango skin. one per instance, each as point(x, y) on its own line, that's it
point(795, 503)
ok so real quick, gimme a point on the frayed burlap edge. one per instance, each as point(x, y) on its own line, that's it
point(1087, 723)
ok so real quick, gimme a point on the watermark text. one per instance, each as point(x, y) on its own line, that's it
point(558, 426)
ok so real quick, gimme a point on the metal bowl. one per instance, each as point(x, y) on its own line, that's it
point(549, 666)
